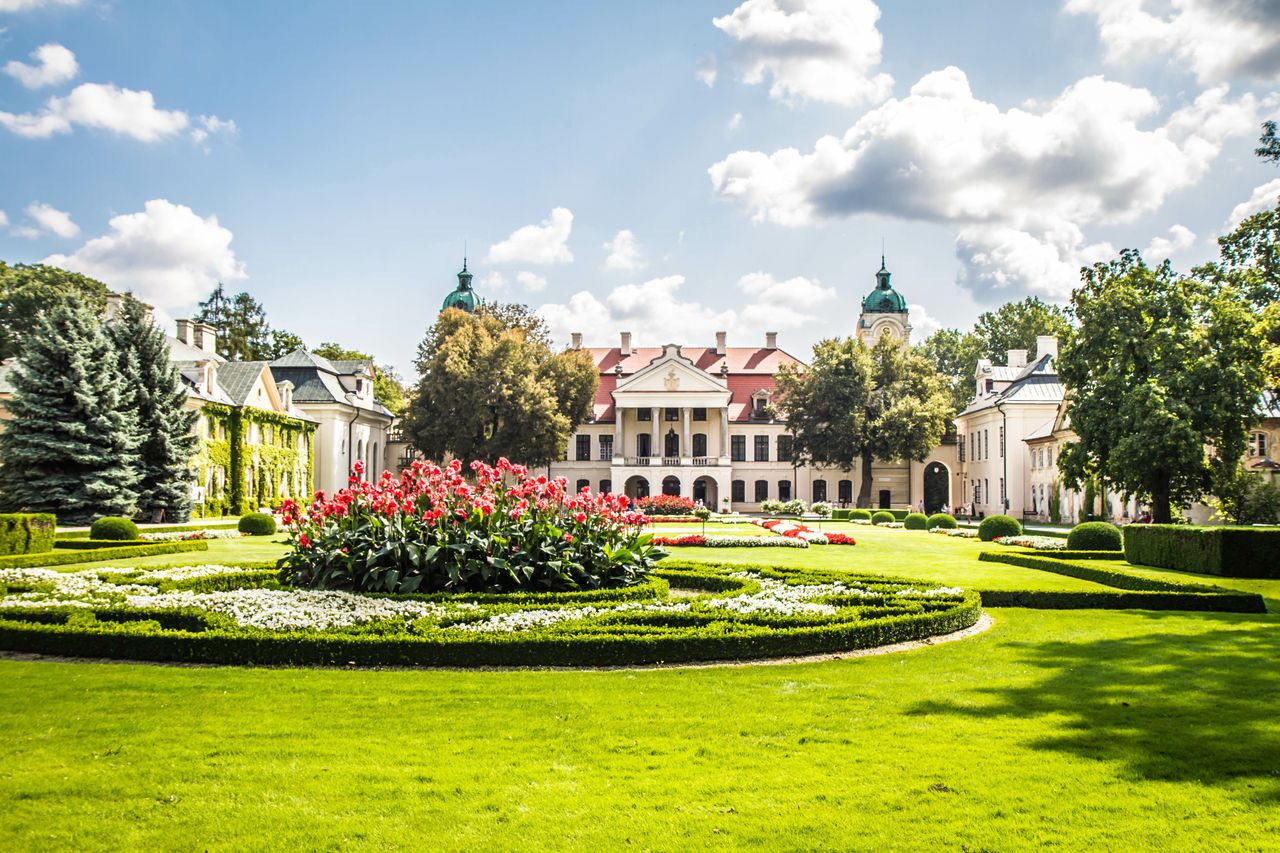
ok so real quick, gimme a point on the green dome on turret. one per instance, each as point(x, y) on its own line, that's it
point(884, 299)
point(462, 296)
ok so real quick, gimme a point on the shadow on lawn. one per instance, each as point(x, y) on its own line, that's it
point(1178, 707)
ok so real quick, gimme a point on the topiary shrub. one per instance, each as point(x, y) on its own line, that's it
point(995, 526)
point(882, 517)
point(257, 524)
point(114, 527)
point(1095, 536)
point(859, 515)
point(916, 521)
point(839, 515)
point(941, 519)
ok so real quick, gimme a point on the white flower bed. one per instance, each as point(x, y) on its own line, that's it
point(1040, 543)
point(894, 525)
point(959, 533)
point(755, 542)
point(189, 535)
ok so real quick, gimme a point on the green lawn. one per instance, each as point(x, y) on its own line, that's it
point(245, 549)
point(1126, 730)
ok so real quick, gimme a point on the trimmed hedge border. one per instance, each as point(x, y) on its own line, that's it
point(229, 524)
point(71, 556)
point(1234, 552)
point(1078, 555)
point(26, 532)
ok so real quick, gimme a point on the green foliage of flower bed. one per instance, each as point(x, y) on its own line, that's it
point(26, 532)
point(114, 527)
point(87, 544)
point(95, 555)
point(883, 517)
point(941, 520)
point(916, 521)
point(1236, 552)
point(732, 615)
point(1208, 602)
point(1095, 536)
point(995, 526)
point(257, 524)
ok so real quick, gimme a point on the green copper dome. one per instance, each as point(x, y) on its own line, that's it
point(884, 299)
point(462, 296)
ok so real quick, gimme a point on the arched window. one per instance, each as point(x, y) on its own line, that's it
point(360, 449)
point(784, 490)
point(582, 484)
point(738, 491)
point(606, 487)
point(762, 490)
point(699, 444)
point(819, 490)
point(845, 490)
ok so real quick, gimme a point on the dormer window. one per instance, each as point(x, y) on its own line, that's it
point(359, 386)
point(760, 405)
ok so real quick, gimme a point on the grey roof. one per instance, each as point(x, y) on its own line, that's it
point(178, 351)
point(318, 380)
point(1035, 383)
point(351, 365)
point(1043, 431)
point(302, 357)
point(237, 378)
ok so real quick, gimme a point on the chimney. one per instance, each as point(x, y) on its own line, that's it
point(1017, 358)
point(576, 337)
point(115, 304)
point(209, 374)
point(1046, 345)
point(184, 332)
point(285, 389)
point(205, 337)
point(770, 340)
point(626, 344)
point(721, 341)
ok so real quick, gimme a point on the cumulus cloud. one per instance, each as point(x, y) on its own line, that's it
point(493, 282)
point(48, 219)
point(811, 50)
point(707, 71)
point(624, 252)
point(657, 311)
point(531, 281)
point(167, 254)
point(103, 106)
point(923, 324)
point(736, 121)
point(1161, 248)
point(1218, 39)
point(1019, 183)
point(28, 5)
point(1262, 198)
point(545, 243)
point(54, 64)
point(209, 125)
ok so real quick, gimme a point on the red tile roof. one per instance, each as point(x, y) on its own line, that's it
point(750, 369)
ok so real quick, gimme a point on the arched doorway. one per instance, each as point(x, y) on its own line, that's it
point(704, 489)
point(937, 487)
point(636, 487)
point(671, 485)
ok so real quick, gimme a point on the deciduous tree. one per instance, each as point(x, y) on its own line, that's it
point(26, 290)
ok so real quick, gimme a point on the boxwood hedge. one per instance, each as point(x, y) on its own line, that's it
point(1235, 552)
point(26, 532)
point(67, 557)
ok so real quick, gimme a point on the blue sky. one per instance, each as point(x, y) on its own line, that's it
point(332, 158)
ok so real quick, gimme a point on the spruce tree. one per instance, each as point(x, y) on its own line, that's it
point(71, 446)
point(167, 441)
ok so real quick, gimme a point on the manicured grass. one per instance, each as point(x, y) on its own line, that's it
point(1082, 730)
point(712, 529)
point(244, 549)
point(899, 553)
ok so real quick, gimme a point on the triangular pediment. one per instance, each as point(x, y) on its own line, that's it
point(671, 372)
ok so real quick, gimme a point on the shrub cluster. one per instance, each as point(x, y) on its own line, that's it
point(666, 505)
point(61, 557)
point(995, 526)
point(883, 517)
point(1235, 552)
point(115, 528)
point(257, 524)
point(859, 515)
point(916, 521)
point(821, 508)
point(941, 520)
point(26, 532)
point(1095, 536)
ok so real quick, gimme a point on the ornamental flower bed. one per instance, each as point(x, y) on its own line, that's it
point(796, 530)
point(189, 535)
point(662, 505)
point(432, 529)
point(699, 540)
point(1039, 543)
point(959, 533)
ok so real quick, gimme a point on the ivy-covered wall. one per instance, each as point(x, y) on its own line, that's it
point(251, 457)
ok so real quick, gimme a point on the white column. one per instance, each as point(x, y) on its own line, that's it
point(619, 447)
point(686, 447)
point(655, 441)
point(724, 432)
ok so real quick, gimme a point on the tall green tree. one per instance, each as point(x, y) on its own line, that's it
point(283, 343)
point(487, 389)
point(1161, 368)
point(167, 441)
point(856, 404)
point(241, 321)
point(71, 446)
point(1269, 144)
point(955, 356)
point(26, 290)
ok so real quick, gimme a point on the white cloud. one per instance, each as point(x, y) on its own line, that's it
point(1161, 248)
point(707, 72)
point(28, 5)
point(493, 282)
point(4, 219)
point(1262, 198)
point(1219, 39)
point(210, 125)
point(812, 50)
point(103, 106)
point(54, 64)
point(1019, 183)
point(655, 311)
point(166, 254)
point(531, 281)
point(624, 252)
point(736, 121)
point(52, 220)
point(923, 324)
point(537, 244)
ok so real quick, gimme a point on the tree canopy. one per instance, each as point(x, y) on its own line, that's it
point(1161, 368)
point(489, 386)
point(28, 289)
point(856, 404)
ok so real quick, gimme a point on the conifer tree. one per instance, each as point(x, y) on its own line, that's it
point(71, 447)
point(166, 438)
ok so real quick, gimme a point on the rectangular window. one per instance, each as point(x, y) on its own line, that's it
point(977, 492)
point(672, 415)
point(785, 445)
point(738, 448)
point(762, 448)
point(606, 447)
point(762, 490)
point(699, 414)
point(1258, 444)
point(584, 448)
point(1001, 442)
point(1003, 496)
point(784, 490)
point(739, 491)
point(644, 414)
point(986, 488)
point(962, 444)
point(986, 444)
